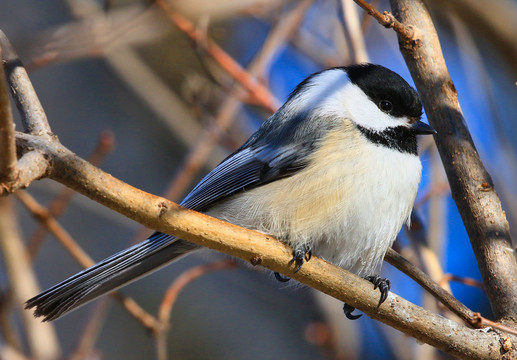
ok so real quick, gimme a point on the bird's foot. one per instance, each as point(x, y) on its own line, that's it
point(281, 277)
point(384, 287)
point(348, 310)
point(300, 255)
point(382, 283)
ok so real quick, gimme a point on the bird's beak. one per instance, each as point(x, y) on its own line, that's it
point(421, 128)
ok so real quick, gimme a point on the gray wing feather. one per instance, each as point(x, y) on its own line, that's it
point(266, 157)
point(247, 168)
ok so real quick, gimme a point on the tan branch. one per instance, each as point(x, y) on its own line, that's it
point(172, 294)
point(387, 20)
point(260, 249)
point(73, 248)
point(255, 88)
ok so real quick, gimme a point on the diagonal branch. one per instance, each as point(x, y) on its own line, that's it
point(471, 185)
point(79, 255)
point(387, 20)
point(260, 249)
point(255, 88)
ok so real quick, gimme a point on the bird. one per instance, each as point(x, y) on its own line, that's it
point(333, 173)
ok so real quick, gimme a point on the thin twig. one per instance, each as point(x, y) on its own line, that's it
point(353, 32)
point(91, 331)
point(429, 285)
point(484, 322)
point(33, 117)
point(446, 278)
point(387, 20)
point(255, 89)
point(52, 225)
point(210, 136)
point(172, 294)
point(104, 146)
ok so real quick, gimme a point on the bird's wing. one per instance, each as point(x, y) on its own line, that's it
point(247, 168)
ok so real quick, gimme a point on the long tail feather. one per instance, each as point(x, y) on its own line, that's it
point(109, 274)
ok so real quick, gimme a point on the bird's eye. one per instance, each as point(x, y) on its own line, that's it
point(385, 106)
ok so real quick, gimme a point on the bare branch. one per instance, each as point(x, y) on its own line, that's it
point(471, 185)
point(33, 117)
point(32, 166)
point(257, 90)
point(387, 20)
point(8, 169)
point(42, 337)
point(260, 249)
point(171, 295)
point(429, 285)
point(104, 146)
point(91, 331)
point(51, 224)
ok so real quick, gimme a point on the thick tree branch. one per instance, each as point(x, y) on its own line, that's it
point(260, 249)
point(471, 185)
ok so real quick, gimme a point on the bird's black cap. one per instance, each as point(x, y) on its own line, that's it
point(380, 83)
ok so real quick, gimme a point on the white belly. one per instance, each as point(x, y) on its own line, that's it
point(348, 211)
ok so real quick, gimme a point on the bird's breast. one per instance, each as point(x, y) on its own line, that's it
point(349, 203)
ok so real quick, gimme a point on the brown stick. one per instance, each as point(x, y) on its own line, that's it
point(255, 89)
point(471, 185)
point(64, 238)
point(386, 19)
point(8, 169)
point(172, 294)
point(260, 249)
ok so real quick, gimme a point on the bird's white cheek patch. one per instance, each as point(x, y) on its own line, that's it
point(365, 112)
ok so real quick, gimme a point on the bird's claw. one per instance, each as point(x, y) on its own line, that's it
point(301, 255)
point(348, 310)
point(281, 277)
point(382, 283)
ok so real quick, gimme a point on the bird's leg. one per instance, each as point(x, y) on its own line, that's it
point(300, 255)
point(384, 287)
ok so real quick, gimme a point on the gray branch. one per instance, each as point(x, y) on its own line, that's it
point(471, 185)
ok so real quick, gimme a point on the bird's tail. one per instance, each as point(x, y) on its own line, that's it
point(109, 274)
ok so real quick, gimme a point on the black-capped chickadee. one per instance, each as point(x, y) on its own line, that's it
point(333, 173)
